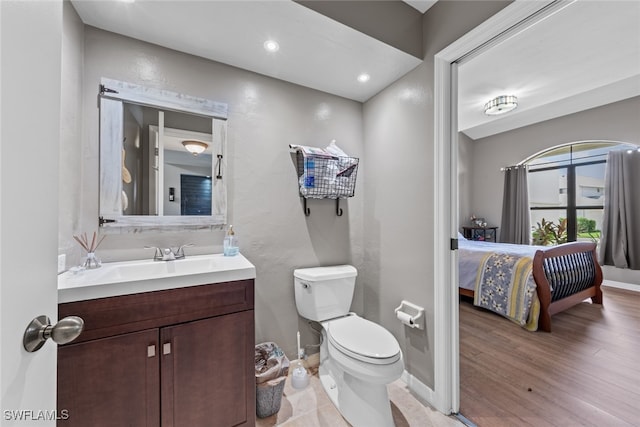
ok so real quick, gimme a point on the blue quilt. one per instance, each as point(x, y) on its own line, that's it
point(505, 285)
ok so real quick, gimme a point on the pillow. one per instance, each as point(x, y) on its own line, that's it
point(461, 237)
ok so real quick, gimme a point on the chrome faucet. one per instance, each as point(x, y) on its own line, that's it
point(168, 254)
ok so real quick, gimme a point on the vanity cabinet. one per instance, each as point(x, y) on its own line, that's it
point(172, 358)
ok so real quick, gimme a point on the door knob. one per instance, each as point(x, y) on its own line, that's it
point(40, 329)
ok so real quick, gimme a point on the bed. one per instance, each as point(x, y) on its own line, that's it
point(542, 280)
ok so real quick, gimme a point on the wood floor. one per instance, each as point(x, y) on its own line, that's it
point(586, 372)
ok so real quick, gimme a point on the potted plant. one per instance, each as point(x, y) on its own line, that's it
point(547, 233)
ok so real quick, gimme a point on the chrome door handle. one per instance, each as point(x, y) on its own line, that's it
point(40, 329)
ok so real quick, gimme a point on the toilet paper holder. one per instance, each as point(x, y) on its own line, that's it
point(410, 314)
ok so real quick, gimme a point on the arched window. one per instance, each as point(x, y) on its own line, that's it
point(566, 191)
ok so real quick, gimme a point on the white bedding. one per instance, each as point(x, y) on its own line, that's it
point(471, 253)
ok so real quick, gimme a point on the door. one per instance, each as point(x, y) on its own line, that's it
point(31, 46)
point(207, 372)
point(111, 381)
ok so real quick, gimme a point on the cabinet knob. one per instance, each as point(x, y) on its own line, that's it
point(151, 350)
point(166, 348)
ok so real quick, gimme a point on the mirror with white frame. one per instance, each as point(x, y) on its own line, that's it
point(162, 159)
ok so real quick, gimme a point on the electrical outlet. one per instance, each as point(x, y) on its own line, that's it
point(62, 263)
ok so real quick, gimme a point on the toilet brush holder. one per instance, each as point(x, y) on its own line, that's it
point(299, 376)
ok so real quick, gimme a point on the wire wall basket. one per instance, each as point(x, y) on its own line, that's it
point(321, 177)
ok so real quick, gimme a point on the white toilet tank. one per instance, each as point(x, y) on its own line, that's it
point(324, 293)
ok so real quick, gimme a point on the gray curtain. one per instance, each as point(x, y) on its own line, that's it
point(516, 225)
point(620, 240)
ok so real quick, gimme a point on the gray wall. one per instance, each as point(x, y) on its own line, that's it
point(70, 155)
point(391, 215)
point(265, 116)
point(465, 179)
point(391, 21)
point(399, 189)
point(612, 122)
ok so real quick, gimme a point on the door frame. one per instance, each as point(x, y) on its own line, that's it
point(511, 19)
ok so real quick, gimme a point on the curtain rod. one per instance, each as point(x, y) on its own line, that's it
point(512, 167)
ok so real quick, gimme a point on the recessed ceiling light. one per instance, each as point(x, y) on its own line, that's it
point(271, 46)
point(364, 77)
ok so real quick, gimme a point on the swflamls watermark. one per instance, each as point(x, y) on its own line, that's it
point(35, 415)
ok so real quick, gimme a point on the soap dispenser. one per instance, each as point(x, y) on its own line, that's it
point(230, 245)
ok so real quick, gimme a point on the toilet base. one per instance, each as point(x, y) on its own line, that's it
point(361, 403)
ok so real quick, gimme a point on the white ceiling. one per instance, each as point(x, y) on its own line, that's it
point(585, 55)
point(315, 51)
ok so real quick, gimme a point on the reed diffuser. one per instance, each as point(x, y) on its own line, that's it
point(91, 261)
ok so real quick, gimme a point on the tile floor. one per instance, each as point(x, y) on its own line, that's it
point(311, 407)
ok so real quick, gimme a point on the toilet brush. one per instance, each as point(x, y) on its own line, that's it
point(299, 376)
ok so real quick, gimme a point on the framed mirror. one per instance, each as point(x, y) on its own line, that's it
point(162, 159)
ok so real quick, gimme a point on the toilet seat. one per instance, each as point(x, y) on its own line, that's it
point(363, 340)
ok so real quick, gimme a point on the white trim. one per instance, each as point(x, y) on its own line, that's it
point(453, 255)
point(621, 285)
point(160, 98)
point(445, 396)
point(445, 356)
point(417, 387)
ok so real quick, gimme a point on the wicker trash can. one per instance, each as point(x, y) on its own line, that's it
point(271, 368)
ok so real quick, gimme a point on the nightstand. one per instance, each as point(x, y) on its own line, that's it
point(486, 234)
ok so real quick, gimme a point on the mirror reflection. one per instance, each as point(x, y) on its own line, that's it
point(167, 162)
point(162, 159)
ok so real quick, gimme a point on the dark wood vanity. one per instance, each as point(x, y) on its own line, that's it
point(171, 358)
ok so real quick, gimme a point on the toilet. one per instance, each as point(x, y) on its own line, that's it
point(358, 358)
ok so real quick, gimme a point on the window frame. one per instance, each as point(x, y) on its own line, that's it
point(570, 164)
point(571, 208)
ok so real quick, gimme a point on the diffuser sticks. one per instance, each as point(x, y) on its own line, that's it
point(91, 260)
point(84, 242)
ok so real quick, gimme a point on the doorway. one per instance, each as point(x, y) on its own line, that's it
point(512, 20)
point(514, 17)
point(195, 195)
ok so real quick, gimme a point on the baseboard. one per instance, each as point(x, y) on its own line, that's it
point(621, 285)
point(417, 387)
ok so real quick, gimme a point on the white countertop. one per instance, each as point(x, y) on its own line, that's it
point(131, 277)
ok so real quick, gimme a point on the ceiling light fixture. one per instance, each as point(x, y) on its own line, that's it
point(364, 77)
point(271, 46)
point(195, 147)
point(500, 105)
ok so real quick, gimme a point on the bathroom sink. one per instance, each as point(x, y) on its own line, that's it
point(149, 269)
point(128, 277)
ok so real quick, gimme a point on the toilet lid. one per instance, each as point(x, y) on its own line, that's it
point(363, 340)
